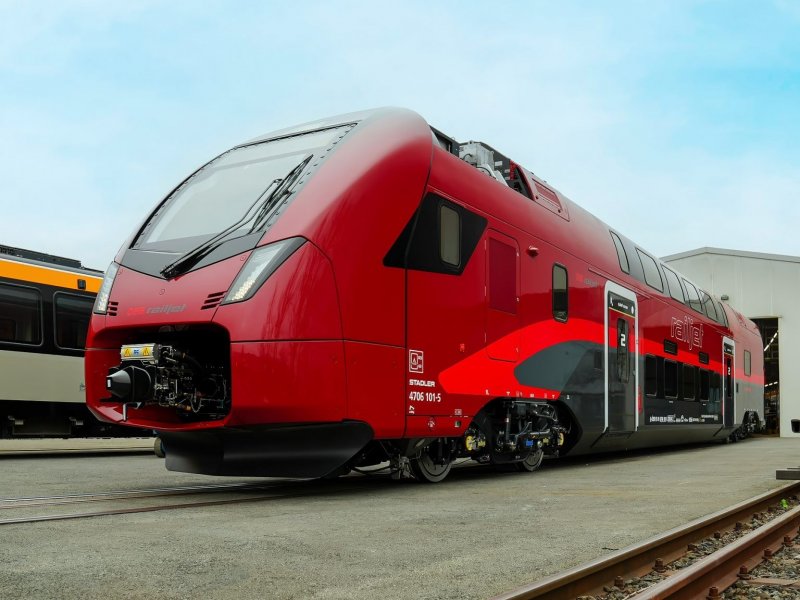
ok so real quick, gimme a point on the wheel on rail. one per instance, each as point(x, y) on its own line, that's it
point(158, 448)
point(532, 462)
point(433, 463)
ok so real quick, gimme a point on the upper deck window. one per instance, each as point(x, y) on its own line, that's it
point(721, 314)
point(652, 275)
point(621, 254)
point(230, 188)
point(694, 298)
point(674, 285)
point(708, 305)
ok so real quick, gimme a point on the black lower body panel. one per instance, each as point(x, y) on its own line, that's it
point(312, 450)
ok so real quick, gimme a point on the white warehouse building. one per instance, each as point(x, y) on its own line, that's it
point(766, 289)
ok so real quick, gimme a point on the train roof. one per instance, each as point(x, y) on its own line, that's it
point(497, 166)
point(51, 261)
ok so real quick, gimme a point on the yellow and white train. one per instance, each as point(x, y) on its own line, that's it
point(45, 307)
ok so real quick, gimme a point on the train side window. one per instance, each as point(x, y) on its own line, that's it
point(716, 386)
point(704, 385)
point(449, 236)
point(650, 375)
point(670, 379)
point(747, 362)
point(22, 315)
point(652, 276)
point(694, 298)
point(72, 315)
point(689, 377)
point(674, 285)
point(437, 239)
point(623, 357)
point(621, 254)
point(708, 305)
point(560, 293)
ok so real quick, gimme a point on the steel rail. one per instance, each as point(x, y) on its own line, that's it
point(23, 502)
point(314, 489)
point(721, 569)
point(638, 559)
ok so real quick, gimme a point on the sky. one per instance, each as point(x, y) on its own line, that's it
point(675, 122)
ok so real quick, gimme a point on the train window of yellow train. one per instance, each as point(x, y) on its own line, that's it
point(21, 308)
point(747, 361)
point(72, 315)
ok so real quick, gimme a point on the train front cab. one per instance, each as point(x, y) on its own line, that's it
point(311, 366)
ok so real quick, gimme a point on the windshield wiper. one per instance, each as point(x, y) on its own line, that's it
point(282, 190)
point(261, 206)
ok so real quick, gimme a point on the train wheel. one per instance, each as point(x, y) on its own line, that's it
point(433, 464)
point(532, 462)
point(158, 448)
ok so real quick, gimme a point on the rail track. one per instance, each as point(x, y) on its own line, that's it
point(242, 493)
point(49, 447)
point(605, 577)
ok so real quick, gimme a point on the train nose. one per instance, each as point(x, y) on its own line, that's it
point(131, 384)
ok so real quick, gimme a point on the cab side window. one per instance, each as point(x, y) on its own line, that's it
point(560, 293)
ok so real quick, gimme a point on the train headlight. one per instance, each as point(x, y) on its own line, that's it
point(262, 263)
point(101, 302)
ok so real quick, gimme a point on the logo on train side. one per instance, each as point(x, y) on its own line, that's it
point(416, 361)
point(687, 332)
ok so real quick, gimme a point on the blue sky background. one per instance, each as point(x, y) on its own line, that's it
point(675, 122)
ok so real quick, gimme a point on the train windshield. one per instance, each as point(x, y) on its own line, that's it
point(218, 195)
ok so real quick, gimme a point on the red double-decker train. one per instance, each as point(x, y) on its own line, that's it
point(366, 289)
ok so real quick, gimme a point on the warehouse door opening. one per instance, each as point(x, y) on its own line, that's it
point(772, 386)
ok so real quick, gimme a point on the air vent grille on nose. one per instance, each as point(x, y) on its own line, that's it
point(112, 309)
point(213, 300)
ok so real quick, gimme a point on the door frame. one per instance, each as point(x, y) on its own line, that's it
point(732, 344)
point(628, 295)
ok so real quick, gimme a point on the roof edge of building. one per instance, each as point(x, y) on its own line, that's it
point(728, 252)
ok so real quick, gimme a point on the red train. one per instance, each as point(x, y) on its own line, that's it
point(365, 288)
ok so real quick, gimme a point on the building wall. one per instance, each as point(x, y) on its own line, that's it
point(759, 286)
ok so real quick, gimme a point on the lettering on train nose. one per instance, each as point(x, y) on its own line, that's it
point(156, 310)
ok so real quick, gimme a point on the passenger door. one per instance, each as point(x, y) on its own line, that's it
point(621, 373)
point(502, 297)
point(728, 382)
